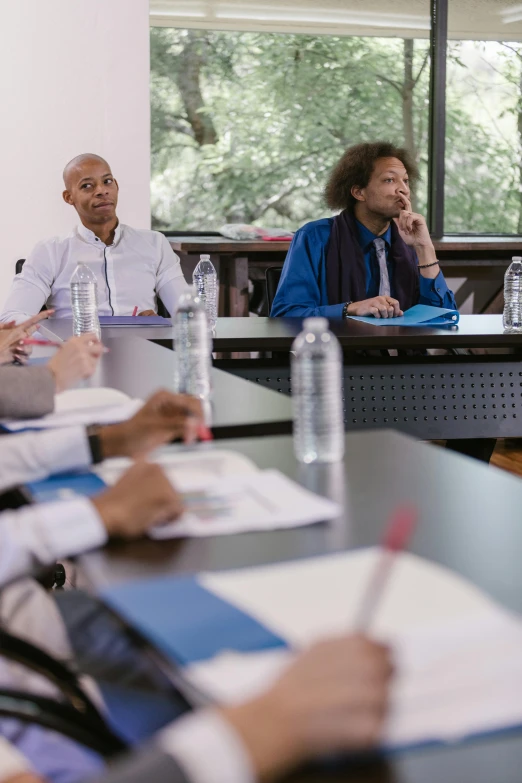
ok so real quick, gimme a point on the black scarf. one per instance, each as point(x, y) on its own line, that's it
point(346, 272)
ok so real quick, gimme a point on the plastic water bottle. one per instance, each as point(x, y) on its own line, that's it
point(193, 347)
point(84, 301)
point(204, 278)
point(512, 318)
point(317, 394)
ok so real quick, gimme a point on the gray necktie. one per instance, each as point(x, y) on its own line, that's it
point(384, 285)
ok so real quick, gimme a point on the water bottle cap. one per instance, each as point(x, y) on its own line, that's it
point(204, 257)
point(315, 324)
point(517, 258)
point(83, 274)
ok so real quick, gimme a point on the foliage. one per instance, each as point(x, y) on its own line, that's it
point(246, 126)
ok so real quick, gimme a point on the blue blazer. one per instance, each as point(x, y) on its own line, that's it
point(302, 289)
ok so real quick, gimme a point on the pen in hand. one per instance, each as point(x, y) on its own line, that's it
point(49, 343)
point(397, 535)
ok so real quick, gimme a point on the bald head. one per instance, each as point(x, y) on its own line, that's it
point(78, 163)
point(91, 189)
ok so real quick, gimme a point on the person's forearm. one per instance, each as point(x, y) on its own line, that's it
point(36, 536)
point(306, 311)
point(171, 291)
point(26, 392)
point(428, 264)
point(35, 455)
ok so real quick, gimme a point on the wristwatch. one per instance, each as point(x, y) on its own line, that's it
point(95, 444)
point(345, 309)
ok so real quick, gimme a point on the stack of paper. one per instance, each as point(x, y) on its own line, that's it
point(224, 493)
point(81, 406)
point(457, 654)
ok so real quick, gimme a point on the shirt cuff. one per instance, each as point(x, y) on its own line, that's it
point(435, 286)
point(69, 527)
point(61, 450)
point(11, 761)
point(208, 749)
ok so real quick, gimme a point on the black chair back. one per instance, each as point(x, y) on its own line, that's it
point(272, 277)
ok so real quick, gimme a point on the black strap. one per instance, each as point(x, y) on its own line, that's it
point(95, 444)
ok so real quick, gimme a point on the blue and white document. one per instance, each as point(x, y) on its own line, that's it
point(419, 315)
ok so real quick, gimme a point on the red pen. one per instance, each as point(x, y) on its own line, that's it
point(135, 311)
point(204, 433)
point(48, 343)
point(398, 533)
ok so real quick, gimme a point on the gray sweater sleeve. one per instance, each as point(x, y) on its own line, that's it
point(26, 392)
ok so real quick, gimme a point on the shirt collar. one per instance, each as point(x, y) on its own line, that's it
point(366, 236)
point(90, 236)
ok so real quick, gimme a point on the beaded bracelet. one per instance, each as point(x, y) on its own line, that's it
point(425, 266)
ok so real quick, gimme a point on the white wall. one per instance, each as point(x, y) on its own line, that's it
point(74, 77)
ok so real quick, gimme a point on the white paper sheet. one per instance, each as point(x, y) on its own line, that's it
point(81, 407)
point(457, 654)
point(188, 470)
point(224, 492)
point(308, 599)
point(242, 502)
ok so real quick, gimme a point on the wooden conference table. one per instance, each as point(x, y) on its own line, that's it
point(469, 522)
point(431, 397)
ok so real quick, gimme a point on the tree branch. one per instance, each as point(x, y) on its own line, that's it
point(396, 85)
point(424, 63)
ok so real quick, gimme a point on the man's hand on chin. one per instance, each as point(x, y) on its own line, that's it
point(412, 227)
point(414, 232)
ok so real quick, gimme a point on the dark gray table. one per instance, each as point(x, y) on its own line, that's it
point(470, 517)
point(470, 522)
point(139, 367)
point(430, 397)
point(277, 334)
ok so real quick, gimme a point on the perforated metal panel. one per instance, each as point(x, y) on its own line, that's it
point(430, 399)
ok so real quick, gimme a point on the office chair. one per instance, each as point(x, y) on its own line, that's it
point(272, 277)
point(76, 717)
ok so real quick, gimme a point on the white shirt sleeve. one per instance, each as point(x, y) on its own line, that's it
point(32, 287)
point(33, 456)
point(208, 749)
point(39, 535)
point(11, 761)
point(170, 283)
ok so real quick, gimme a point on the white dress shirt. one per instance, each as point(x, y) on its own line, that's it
point(138, 266)
point(208, 749)
point(41, 534)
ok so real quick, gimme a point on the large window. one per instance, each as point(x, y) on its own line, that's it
point(247, 123)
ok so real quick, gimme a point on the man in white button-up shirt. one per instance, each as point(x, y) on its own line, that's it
point(132, 266)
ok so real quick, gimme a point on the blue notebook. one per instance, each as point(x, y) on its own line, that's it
point(419, 315)
point(134, 320)
point(187, 622)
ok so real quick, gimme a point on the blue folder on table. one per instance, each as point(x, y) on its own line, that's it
point(418, 315)
point(134, 320)
point(187, 622)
